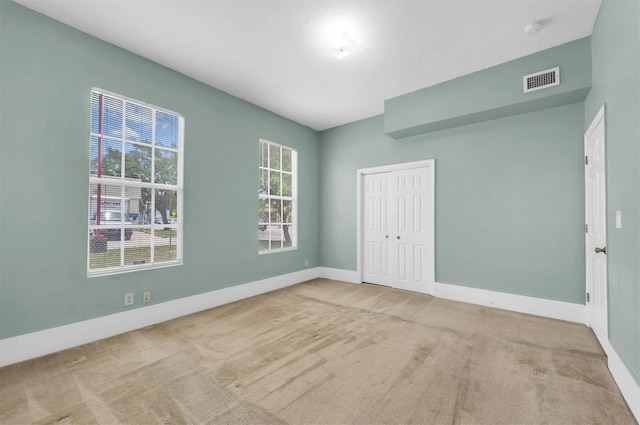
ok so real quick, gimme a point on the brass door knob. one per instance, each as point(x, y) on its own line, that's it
point(601, 250)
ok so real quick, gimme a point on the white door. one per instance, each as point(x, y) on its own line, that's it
point(410, 195)
point(596, 227)
point(396, 232)
point(377, 223)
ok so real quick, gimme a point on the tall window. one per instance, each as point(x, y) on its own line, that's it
point(277, 198)
point(135, 185)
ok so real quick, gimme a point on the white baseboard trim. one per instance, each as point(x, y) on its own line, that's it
point(561, 310)
point(40, 343)
point(338, 274)
point(570, 312)
point(628, 386)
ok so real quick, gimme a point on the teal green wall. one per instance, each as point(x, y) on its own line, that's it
point(454, 103)
point(46, 74)
point(616, 83)
point(509, 199)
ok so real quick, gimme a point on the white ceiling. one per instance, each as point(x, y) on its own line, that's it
point(275, 53)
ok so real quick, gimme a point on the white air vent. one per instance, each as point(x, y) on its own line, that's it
point(541, 80)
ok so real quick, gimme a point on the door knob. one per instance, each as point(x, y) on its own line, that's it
point(386, 237)
point(397, 237)
point(601, 250)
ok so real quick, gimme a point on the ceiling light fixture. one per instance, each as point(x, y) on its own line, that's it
point(342, 45)
point(533, 27)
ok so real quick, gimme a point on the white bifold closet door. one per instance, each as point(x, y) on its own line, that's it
point(395, 231)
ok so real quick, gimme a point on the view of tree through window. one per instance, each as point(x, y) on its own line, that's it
point(277, 193)
point(135, 185)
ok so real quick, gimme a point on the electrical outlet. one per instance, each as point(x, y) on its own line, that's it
point(306, 262)
point(128, 299)
point(146, 296)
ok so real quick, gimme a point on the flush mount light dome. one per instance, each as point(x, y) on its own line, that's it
point(342, 45)
point(533, 27)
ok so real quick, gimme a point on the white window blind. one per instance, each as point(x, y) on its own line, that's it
point(135, 185)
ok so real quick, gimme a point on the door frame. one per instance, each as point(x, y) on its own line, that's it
point(599, 117)
point(430, 165)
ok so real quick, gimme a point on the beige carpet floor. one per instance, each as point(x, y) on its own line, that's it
point(326, 352)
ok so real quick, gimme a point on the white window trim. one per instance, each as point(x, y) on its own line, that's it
point(179, 188)
point(294, 197)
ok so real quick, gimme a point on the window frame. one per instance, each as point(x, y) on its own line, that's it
point(293, 198)
point(125, 184)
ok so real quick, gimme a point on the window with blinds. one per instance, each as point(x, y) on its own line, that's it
point(135, 185)
point(277, 198)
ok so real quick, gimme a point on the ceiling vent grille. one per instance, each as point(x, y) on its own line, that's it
point(541, 80)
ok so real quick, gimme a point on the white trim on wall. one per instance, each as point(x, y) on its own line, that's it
point(553, 309)
point(36, 344)
point(628, 386)
point(561, 310)
point(40, 343)
point(360, 173)
point(342, 275)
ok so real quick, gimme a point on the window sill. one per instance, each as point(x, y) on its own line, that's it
point(275, 251)
point(130, 269)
